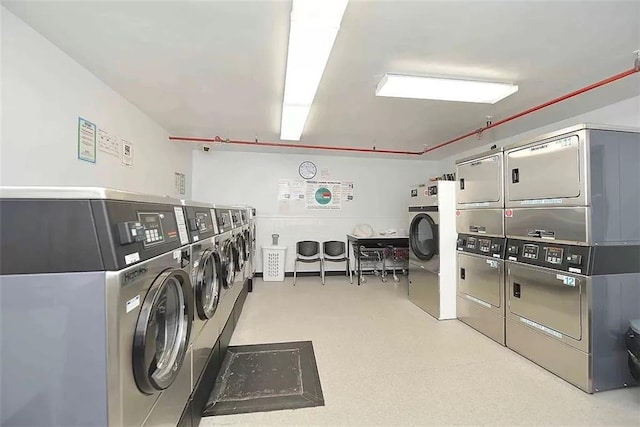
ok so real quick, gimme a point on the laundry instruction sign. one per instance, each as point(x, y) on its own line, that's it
point(323, 195)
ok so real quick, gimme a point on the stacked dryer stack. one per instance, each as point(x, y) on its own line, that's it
point(573, 251)
point(481, 244)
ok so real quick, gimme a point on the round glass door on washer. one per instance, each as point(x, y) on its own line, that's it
point(207, 286)
point(162, 332)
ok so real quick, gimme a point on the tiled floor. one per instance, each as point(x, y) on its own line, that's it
point(383, 361)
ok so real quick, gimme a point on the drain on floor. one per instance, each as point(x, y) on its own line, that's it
point(266, 377)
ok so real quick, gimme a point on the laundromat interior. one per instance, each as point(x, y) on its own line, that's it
point(319, 212)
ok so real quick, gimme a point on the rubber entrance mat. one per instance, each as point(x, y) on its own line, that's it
point(266, 377)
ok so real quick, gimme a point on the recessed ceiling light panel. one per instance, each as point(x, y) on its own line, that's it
point(417, 87)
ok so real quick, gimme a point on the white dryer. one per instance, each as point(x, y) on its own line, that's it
point(432, 250)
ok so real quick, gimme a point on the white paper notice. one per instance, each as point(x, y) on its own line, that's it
point(324, 195)
point(298, 189)
point(127, 153)
point(180, 183)
point(108, 143)
point(86, 140)
point(284, 189)
point(214, 219)
point(133, 303)
point(347, 191)
point(182, 225)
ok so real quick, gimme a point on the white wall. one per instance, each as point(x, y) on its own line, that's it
point(43, 93)
point(380, 196)
point(623, 113)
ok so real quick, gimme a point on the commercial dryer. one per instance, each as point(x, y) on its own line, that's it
point(432, 249)
point(96, 308)
point(481, 243)
point(573, 270)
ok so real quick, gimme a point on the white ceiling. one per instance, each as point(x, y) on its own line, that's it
point(217, 67)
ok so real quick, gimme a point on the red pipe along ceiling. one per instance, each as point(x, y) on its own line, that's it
point(595, 85)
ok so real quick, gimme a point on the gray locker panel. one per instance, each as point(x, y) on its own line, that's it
point(615, 186)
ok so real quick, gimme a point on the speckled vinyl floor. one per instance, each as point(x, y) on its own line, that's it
point(383, 361)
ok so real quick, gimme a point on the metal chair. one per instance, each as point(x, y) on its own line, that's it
point(335, 251)
point(308, 251)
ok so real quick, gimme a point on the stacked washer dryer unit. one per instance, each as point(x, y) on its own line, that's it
point(96, 308)
point(207, 283)
point(432, 249)
point(481, 244)
point(573, 252)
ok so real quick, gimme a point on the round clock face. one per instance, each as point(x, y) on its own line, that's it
point(307, 170)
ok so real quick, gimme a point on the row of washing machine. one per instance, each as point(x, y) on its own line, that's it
point(549, 250)
point(116, 308)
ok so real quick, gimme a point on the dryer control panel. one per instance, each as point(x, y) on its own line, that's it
point(493, 247)
point(570, 258)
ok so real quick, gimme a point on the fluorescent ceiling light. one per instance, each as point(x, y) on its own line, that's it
point(293, 120)
point(401, 86)
point(314, 26)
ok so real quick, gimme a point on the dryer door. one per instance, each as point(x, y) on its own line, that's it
point(423, 236)
point(162, 331)
point(207, 285)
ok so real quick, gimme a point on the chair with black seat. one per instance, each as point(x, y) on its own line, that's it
point(308, 251)
point(335, 251)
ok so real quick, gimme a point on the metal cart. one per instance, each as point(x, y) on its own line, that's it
point(379, 255)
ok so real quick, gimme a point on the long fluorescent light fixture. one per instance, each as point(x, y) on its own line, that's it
point(314, 27)
point(403, 86)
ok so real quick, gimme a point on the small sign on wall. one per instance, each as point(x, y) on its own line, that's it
point(108, 143)
point(127, 153)
point(86, 140)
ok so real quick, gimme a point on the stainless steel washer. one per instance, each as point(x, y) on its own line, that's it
point(111, 307)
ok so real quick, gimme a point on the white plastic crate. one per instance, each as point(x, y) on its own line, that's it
point(273, 263)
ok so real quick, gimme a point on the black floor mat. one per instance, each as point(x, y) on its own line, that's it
point(266, 377)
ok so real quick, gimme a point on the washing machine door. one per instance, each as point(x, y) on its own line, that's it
point(207, 285)
point(239, 252)
point(229, 264)
point(423, 236)
point(162, 331)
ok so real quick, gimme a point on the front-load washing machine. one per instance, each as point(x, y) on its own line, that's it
point(205, 276)
point(105, 296)
point(228, 257)
point(432, 251)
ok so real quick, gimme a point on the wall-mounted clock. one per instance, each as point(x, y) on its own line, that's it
point(307, 169)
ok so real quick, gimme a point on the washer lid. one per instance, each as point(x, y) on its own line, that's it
point(635, 325)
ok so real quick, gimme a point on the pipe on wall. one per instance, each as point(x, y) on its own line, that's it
point(580, 91)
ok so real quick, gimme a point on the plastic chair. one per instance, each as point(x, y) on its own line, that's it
point(308, 251)
point(336, 251)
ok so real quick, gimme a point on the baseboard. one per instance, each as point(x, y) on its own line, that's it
point(308, 273)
